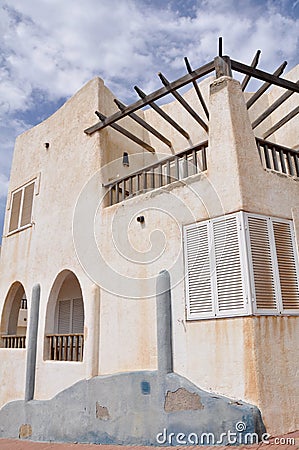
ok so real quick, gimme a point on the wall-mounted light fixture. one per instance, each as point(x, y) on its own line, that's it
point(126, 159)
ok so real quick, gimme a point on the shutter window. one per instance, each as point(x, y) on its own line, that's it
point(64, 316)
point(287, 265)
point(241, 264)
point(199, 274)
point(262, 264)
point(215, 280)
point(230, 295)
point(15, 211)
point(78, 316)
point(70, 316)
point(27, 204)
point(21, 209)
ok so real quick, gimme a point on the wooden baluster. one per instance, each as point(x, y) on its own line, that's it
point(267, 159)
point(282, 162)
point(296, 162)
point(290, 166)
point(76, 348)
point(144, 180)
point(152, 178)
point(130, 186)
point(168, 180)
point(110, 196)
point(194, 160)
point(117, 193)
point(177, 168)
point(274, 157)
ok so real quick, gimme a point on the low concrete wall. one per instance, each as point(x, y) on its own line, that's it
point(130, 408)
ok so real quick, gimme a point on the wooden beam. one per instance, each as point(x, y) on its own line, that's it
point(163, 114)
point(273, 107)
point(196, 87)
point(127, 133)
point(220, 46)
point(183, 81)
point(265, 86)
point(185, 104)
point(253, 64)
point(283, 121)
point(264, 76)
point(144, 124)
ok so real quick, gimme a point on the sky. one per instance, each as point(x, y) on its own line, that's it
point(50, 48)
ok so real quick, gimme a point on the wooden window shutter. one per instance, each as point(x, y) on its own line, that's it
point(15, 211)
point(199, 289)
point(27, 205)
point(78, 316)
point(262, 264)
point(287, 265)
point(64, 317)
point(228, 268)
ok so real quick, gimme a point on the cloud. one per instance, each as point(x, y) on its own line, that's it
point(49, 49)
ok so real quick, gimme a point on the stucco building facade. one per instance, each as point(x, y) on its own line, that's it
point(93, 218)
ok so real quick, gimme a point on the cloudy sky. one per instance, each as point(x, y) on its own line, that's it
point(50, 48)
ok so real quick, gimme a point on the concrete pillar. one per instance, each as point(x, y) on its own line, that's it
point(32, 343)
point(164, 325)
point(233, 160)
point(93, 334)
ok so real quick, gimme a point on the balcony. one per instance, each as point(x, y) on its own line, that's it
point(177, 167)
point(13, 341)
point(65, 347)
point(278, 158)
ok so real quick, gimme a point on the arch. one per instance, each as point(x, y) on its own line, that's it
point(64, 327)
point(14, 317)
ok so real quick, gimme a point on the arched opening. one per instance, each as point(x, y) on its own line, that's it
point(65, 320)
point(14, 318)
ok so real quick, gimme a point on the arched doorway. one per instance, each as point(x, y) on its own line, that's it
point(14, 318)
point(65, 320)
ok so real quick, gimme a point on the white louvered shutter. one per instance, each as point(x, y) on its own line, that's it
point(287, 265)
point(262, 265)
point(198, 281)
point(78, 316)
point(15, 211)
point(64, 316)
point(27, 204)
point(230, 289)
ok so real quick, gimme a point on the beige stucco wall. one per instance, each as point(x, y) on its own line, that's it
point(244, 358)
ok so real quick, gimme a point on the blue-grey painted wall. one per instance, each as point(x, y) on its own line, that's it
point(128, 408)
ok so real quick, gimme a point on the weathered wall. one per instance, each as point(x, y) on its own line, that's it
point(130, 409)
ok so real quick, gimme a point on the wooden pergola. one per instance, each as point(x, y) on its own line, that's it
point(222, 66)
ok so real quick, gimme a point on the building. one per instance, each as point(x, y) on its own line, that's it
point(157, 253)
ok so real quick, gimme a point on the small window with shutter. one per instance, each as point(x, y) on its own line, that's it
point(216, 279)
point(21, 208)
point(70, 316)
point(241, 264)
point(273, 264)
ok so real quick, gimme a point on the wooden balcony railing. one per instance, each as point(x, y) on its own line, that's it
point(276, 157)
point(166, 171)
point(65, 347)
point(13, 341)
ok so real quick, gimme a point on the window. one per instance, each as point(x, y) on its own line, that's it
point(241, 264)
point(70, 316)
point(21, 209)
